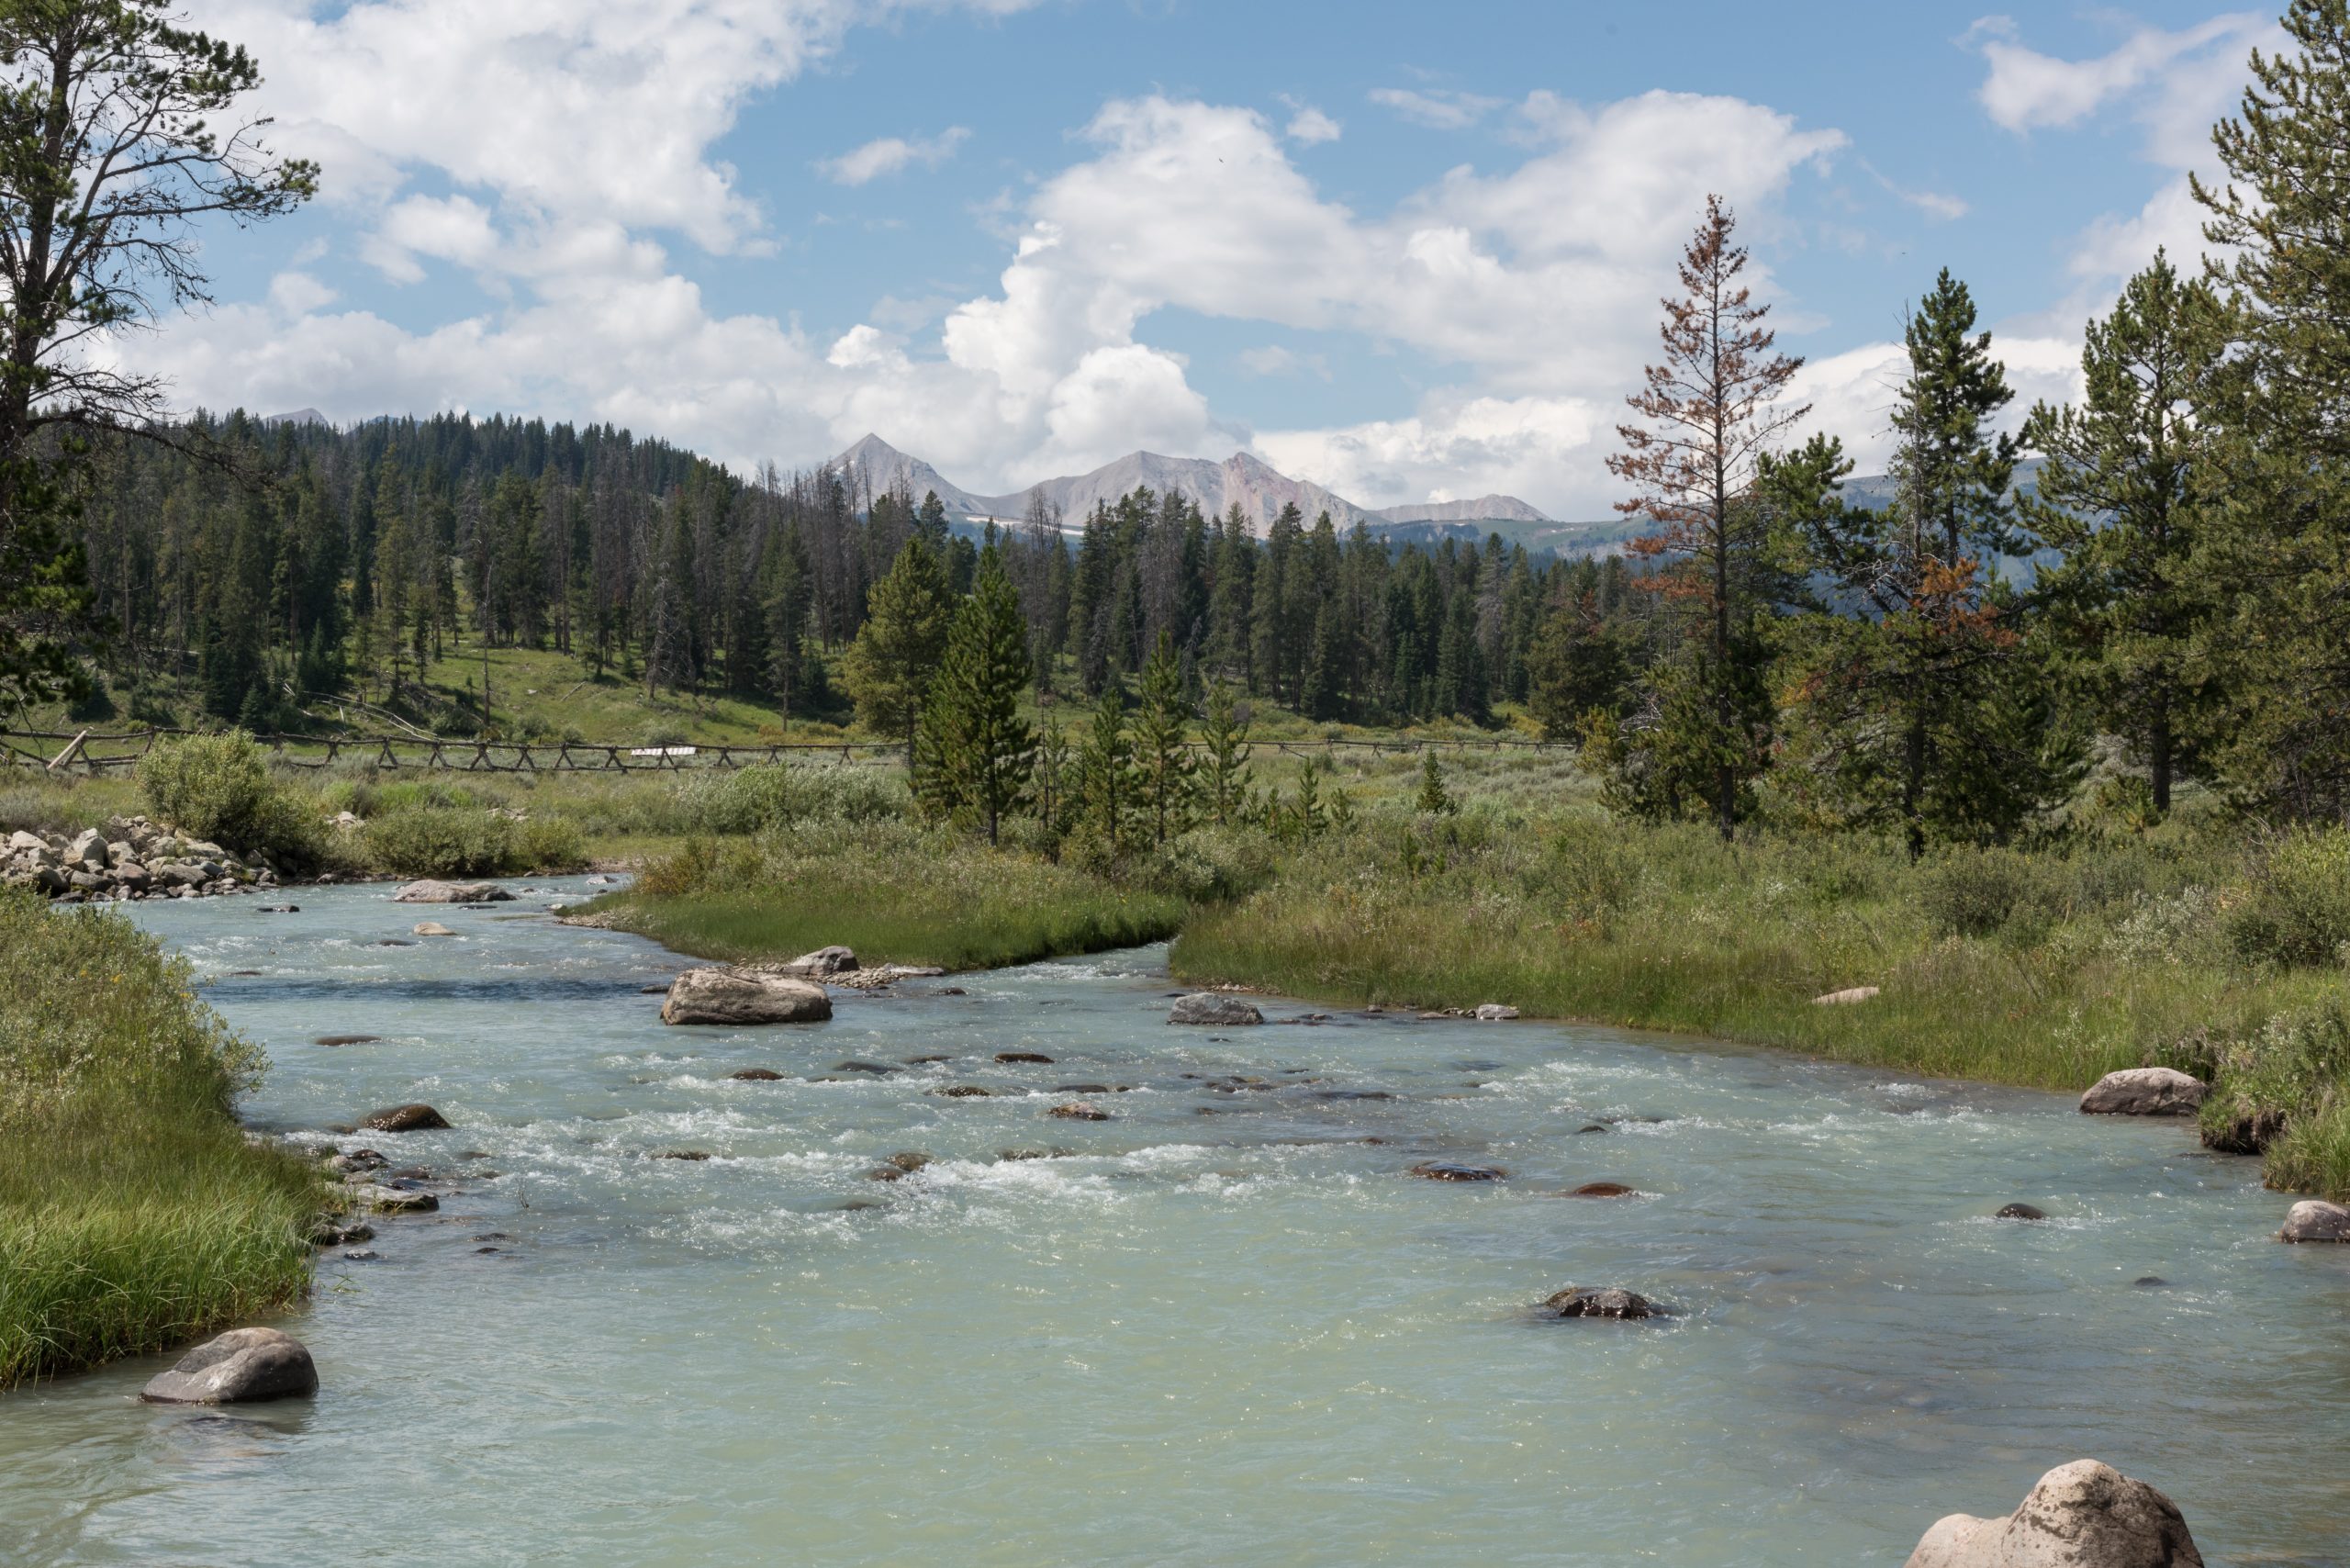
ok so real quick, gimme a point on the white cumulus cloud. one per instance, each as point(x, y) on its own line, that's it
point(888, 154)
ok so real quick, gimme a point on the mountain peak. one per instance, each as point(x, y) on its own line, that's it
point(1243, 479)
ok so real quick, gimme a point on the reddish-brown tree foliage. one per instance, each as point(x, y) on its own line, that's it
point(1710, 410)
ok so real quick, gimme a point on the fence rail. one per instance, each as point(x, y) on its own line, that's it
point(90, 752)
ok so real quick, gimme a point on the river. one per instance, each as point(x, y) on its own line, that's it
point(1223, 1327)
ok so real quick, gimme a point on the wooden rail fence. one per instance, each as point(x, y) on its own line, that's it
point(91, 752)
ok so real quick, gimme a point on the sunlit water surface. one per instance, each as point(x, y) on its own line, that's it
point(1223, 1329)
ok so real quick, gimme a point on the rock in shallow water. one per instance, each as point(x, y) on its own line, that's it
point(1079, 1111)
point(1214, 1010)
point(1446, 1171)
point(404, 1119)
point(1608, 1300)
point(244, 1366)
point(822, 961)
point(2082, 1515)
point(757, 1075)
point(727, 997)
point(2316, 1220)
point(2144, 1091)
point(2021, 1210)
point(1602, 1190)
point(432, 890)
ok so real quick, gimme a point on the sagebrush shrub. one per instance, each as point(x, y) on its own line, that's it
point(439, 840)
point(2296, 907)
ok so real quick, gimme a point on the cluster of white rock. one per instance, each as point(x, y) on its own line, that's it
point(129, 858)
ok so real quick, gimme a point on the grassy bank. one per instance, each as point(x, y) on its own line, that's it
point(134, 1214)
point(2202, 950)
point(891, 891)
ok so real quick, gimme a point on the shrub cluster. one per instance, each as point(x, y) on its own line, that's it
point(217, 786)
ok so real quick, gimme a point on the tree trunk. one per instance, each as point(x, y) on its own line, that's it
point(1913, 783)
point(2158, 754)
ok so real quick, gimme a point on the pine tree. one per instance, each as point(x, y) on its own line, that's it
point(1108, 782)
point(2117, 496)
point(889, 666)
point(1434, 799)
point(1161, 750)
point(1908, 703)
point(978, 750)
point(2278, 537)
point(1712, 409)
point(1306, 819)
point(1577, 665)
point(1225, 774)
point(1055, 777)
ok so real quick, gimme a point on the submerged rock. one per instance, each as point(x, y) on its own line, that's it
point(689, 1154)
point(2021, 1210)
point(1214, 1010)
point(874, 1067)
point(2082, 1515)
point(434, 891)
point(244, 1366)
point(1017, 1057)
point(730, 997)
point(2316, 1220)
point(1605, 1301)
point(1602, 1190)
point(963, 1092)
point(404, 1119)
point(1446, 1171)
point(2144, 1092)
point(348, 1039)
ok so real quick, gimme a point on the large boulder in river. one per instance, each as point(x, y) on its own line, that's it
point(431, 890)
point(2144, 1092)
point(2082, 1515)
point(1216, 1010)
point(822, 961)
point(244, 1366)
point(732, 997)
point(2316, 1220)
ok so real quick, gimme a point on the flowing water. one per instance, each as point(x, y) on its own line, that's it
point(1223, 1329)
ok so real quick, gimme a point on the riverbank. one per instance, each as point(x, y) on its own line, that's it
point(2041, 971)
point(134, 1213)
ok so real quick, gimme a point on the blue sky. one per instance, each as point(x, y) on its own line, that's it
point(1407, 250)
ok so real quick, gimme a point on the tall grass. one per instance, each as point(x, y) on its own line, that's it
point(890, 891)
point(134, 1214)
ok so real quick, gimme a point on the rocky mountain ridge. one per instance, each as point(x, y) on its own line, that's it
point(1259, 490)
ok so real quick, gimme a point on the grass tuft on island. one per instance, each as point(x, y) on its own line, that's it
point(890, 891)
point(134, 1213)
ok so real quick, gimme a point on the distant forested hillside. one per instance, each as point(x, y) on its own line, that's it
point(267, 571)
